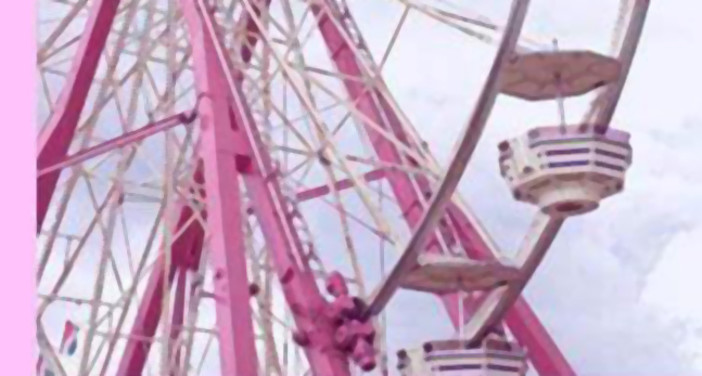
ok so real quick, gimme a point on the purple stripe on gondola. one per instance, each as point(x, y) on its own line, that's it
point(493, 355)
point(458, 367)
point(568, 151)
point(498, 367)
point(610, 154)
point(568, 164)
point(610, 166)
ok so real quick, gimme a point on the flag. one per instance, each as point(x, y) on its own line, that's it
point(43, 368)
point(69, 342)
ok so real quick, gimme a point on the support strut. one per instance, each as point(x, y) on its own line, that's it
point(56, 138)
point(224, 222)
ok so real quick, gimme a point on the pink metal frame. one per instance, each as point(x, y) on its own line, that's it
point(224, 221)
point(231, 151)
point(299, 286)
point(289, 260)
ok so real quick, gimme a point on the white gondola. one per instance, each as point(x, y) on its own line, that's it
point(445, 274)
point(566, 170)
point(493, 356)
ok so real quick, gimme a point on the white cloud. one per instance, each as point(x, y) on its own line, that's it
point(672, 289)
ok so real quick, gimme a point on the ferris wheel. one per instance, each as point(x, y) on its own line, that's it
point(230, 187)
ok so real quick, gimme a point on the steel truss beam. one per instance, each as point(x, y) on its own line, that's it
point(189, 243)
point(299, 285)
point(222, 177)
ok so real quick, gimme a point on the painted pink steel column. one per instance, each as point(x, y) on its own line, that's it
point(56, 138)
point(298, 283)
point(544, 353)
point(191, 240)
point(224, 222)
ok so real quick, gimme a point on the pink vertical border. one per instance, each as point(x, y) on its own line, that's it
point(17, 186)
